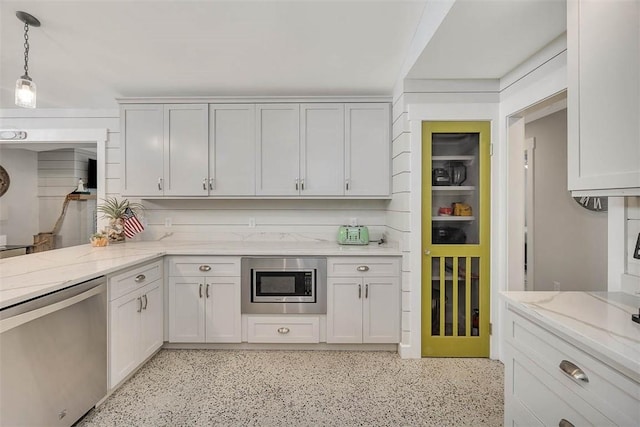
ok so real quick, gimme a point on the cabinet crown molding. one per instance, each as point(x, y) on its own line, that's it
point(249, 99)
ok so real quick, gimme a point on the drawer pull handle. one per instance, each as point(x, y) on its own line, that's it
point(200, 290)
point(573, 371)
point(144, 307)
point(565, 423)
point(363, 268)
point(366, 290)
point(140, 278)
point(205, 268)
point(359, 291)
point(139, 305)
point(283, 331)
point(207, 291)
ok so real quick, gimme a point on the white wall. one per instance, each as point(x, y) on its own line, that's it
point(19, 205)
point(570, 250)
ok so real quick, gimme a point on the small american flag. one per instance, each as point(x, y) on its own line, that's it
point(132, 224)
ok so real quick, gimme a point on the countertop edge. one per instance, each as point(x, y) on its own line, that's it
point(615, 360)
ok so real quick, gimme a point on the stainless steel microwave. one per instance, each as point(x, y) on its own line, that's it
point(284, 285)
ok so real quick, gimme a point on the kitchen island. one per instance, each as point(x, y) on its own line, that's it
point(571, 357)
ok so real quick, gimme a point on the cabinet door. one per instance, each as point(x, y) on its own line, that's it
point(368, 150)
point(344, 310)
point(381, 310)
point(277, 150)
point(322, 150)
point(186, 160)
point(124, 333)
point(223, 309)
point(603, 47)
point(142, 150)
point(232, 145)
point(151, 320)
point(186, 309)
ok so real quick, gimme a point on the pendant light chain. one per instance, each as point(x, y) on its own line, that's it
point(26, 49)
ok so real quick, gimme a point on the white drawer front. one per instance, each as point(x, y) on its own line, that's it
point(123, 283)
point(613, 394)
point(204, 266)
point(360, 266)
point(549, 400)
point(283, 329)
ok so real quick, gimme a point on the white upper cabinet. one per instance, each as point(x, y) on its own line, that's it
point(232, 166)
point(165, 150)
point(277, 149)
point(142, 149)
point(603, 47)
point(315, 150)
point(322, 150)
point(368, 150)
point(186, 145)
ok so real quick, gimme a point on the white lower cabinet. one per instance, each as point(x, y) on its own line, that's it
point(283, 329)
point(363, 302)
point(136, 319)
point(205, 307)
point(548, 381)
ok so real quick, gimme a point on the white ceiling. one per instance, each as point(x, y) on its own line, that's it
point(87, 53)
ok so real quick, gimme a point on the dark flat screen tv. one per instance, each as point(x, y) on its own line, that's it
point(92, 174)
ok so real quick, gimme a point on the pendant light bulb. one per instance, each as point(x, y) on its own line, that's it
point(25, 87)
point(25, 92)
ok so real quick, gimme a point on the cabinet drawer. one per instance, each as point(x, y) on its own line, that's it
point(615, 395)
point(548, 400)
point(283, 329)
point(359, 266)
point(125, 282)
point(204, 266)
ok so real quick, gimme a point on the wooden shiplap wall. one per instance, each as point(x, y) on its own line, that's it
point(399, 210)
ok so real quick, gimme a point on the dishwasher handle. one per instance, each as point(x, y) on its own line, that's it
point(17, 315)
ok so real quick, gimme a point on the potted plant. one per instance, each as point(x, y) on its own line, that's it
point(99, 239)
point(114, 210)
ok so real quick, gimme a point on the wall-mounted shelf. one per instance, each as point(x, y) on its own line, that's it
point(453, 218)
point(453, 190)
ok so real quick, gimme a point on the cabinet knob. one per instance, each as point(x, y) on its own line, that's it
point(359, 291)
point(427, 252)
point(160, 184)
point(363, 268)
point(200, 290)
point(144, 297)
point(140, 278)
point(347, 184)
point(302, 184)
point(296, 184)
point(204, 184)
point(207, 291)
point(366, 290)
point(573, 371)
point(211, 184)
point(205, 268)
point(139, 305)
point(283, 330)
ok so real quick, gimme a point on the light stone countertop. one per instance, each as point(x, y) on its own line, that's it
point(29, 276)
point(598, 323)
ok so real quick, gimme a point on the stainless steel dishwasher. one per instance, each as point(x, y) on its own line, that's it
point(53, 356)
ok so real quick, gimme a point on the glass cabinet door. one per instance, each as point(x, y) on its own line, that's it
point(455, 274)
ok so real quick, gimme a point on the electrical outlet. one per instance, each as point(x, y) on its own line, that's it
point(168, 222)
point(252, 222)
point(556, 285)
point(353, 221)
point(636, 251)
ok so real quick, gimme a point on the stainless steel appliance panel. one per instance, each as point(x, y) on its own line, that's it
point(262, 304)
point(53, 356)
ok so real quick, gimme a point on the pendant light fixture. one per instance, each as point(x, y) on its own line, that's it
point(25, 87)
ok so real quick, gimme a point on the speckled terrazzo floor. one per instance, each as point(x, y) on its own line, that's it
point(305, 388)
